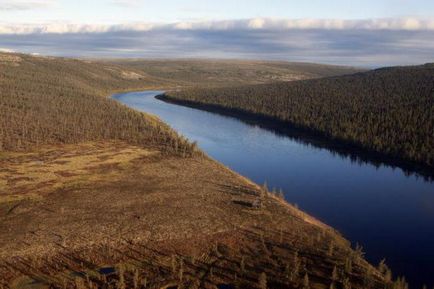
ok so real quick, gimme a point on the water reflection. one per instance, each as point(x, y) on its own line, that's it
point(317, 140)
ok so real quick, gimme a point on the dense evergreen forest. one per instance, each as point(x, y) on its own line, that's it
point(389, 110)
point(56, 101)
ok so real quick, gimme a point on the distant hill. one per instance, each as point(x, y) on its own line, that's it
point(388, 110)
point(217, 73)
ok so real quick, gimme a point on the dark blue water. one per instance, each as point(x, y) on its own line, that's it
point(390, 214)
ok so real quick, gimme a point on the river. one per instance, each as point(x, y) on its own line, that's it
point(388, 212)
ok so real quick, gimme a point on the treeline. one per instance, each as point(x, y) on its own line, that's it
point(55, 101)
point(389, 110)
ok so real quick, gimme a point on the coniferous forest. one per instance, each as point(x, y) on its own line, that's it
point(58, 101)
point(388, 110)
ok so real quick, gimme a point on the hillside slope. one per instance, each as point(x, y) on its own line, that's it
point(390, 110)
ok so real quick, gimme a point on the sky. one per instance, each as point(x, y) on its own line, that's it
point(359, 33)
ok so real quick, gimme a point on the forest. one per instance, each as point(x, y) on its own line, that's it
point(388, 110)
point(45, 101)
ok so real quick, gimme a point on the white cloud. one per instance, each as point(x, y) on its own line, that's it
point(184, 25)
point(71, 28)
point(256, 23)
point(9, 5)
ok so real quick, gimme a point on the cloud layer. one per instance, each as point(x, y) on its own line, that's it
point(364, 42)
point(410, 24)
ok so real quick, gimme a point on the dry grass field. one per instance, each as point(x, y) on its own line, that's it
point(70, 211)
